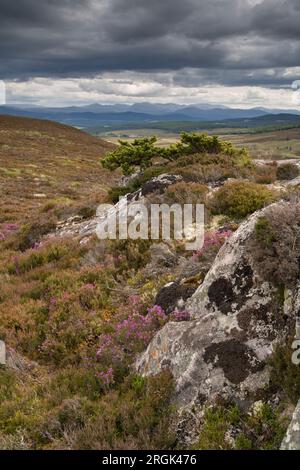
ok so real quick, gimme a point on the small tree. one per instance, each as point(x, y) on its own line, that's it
point(140, 152)
point(129, 155)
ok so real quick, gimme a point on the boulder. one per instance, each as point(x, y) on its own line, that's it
point(291, 440)
point(236, 320)
point(160, 183)
point(173, 296)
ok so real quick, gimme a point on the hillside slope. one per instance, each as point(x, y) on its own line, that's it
point(78, 313)
point(45, 162)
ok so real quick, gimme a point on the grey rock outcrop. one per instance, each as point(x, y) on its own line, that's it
point(173, 296)
point(236, 321)
point(84, 230)
point(292, 437)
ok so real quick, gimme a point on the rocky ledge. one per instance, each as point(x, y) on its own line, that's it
point(237, 319)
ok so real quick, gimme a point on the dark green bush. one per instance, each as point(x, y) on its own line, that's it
point(30, 234)
point(285, 375)
point(141, 152)
point(239, 199)
point(288, 171)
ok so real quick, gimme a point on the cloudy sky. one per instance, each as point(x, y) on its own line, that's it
point(230, 52)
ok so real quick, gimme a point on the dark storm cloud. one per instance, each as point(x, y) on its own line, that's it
point(228, 41)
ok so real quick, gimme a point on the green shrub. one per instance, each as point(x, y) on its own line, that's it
point(137, 417)
point(285, 376)
point(130, 155)
point(288, 171)
point(7, 382)
point(87, 212)
point(141, 152)
point(216, 423)
point(32, 259)
point(239, 199)
point(183, 193)
point(265, 174)
point(30, 234)
point(262, 430)
point(116, 192)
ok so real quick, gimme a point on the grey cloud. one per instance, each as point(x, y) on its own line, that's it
point(225, 41)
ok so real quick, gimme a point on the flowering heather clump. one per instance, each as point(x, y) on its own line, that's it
point(106, 378)
point(130, 335)
point(213, 242)
point(179, 316)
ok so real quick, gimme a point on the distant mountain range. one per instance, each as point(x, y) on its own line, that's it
point(93, 115)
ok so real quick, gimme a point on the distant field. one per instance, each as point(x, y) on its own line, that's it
point(270, 144)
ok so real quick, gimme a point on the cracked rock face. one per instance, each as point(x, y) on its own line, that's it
point(236, 321)
point(292, 438)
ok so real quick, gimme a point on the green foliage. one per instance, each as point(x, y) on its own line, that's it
point(216, 423)
point(265, 174)
point(116, 192)
point(130, 255)
point(182, 193)
point(285, 375)
point(141, 152)
point(138, 417)
point(228, 427)
point(129, 155)
point(193, 143)
point(31, 233)
point(239, 199)
point(263, 232)
point(34, 258)
point(7, 382)
point(69, 411)
point(288, 171)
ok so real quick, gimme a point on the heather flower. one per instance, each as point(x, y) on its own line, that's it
point(106, 378)
point(180, 316)
point(213, 240)
point(130, 335)
point(88, 286)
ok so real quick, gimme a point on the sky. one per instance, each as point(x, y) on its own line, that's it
point(238, 53)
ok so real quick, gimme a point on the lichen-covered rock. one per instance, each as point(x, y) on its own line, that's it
point(292, 437)
point(237, 318)
point(173, 296)
point(160, 183)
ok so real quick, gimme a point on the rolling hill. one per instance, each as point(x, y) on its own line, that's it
point(97, 118)
point(43, 162)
